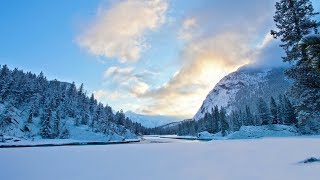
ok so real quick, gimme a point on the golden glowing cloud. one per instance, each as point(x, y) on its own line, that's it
point(206, 62)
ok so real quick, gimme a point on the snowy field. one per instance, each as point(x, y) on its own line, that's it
point(267, 158)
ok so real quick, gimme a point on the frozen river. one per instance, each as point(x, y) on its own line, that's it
point(160, 158)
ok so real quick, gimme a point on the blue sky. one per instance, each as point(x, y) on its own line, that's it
point(153, 57)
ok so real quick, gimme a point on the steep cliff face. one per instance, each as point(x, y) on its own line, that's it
point(243, 87)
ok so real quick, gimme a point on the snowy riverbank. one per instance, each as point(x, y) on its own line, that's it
point(245, 132)
point(17, 142)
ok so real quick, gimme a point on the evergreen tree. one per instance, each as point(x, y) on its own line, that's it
point(289, 112)
point(192, 129)
point(273, 111)
point(216, 118)
point(263, 112)
point(236, 124)
point(96, 116)
point(293, 20)
point(4, 76)
point(56, 125)
point(211, 122)
point(6, 116)
point(249, 116)
point(311, 44)
point(281, 109)
point(65, 133)
point(46, 130)
point(207, 120)
point(92, 103)
point(84, 119)
point(6, 82)
point(71, 100)
point(77, 120)
point(80, 91)
point(242, 118)
point(120, 117)
point(223, 120)
point(30, 116)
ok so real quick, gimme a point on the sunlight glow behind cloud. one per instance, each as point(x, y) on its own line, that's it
point(215, 46)
point(206, 61)
point(214, 43)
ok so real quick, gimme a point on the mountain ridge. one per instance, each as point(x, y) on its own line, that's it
point(244, 85)
point(151, 121)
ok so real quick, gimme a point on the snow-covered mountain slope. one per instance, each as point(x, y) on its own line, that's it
point(151, 121)
point(33, 108)
point(17, 127)
point(244, 87)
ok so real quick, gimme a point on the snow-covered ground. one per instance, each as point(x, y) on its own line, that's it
point(266, 158)
point(245, 132)
point(272, 130)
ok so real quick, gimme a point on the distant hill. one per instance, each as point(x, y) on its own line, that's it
point(151, 121)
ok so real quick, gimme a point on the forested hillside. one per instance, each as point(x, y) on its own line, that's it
point(33, 107)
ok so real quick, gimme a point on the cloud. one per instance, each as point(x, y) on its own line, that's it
point(214, 42)
point(203, 58)
point(139, 88)
point(128, 79)
point(217, 44)
point(268, 38)
point(103, 94)
point(206, 61)
point(119, 31)
point(122, 74)
point(268, 54)
point(188, 30)
point(119, 74)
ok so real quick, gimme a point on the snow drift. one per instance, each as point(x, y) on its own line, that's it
point(274, 130)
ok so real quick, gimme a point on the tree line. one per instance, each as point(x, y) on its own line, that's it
point(280, 111)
